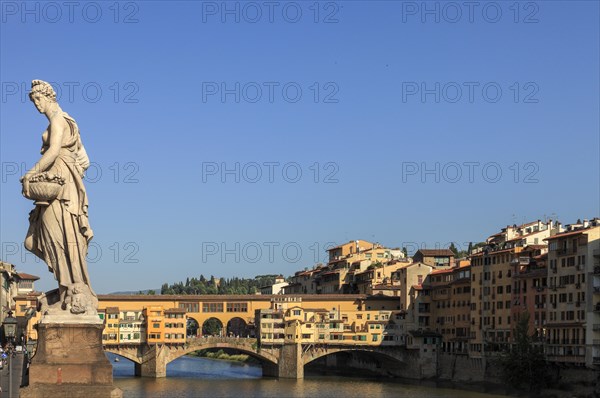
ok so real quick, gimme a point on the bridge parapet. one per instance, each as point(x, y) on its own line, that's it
point(203, 340)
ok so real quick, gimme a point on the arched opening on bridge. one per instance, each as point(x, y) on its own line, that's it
point(223, 357)
point(357, 363)
point(192, 327)
point(212, 327)
point(215, 363)
point(122, 366)
point(237, 327)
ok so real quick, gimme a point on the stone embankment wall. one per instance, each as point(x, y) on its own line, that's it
point(458, 371)
point(569, 381)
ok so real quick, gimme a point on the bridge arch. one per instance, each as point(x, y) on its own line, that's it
point(192, 327)
point(264, 356)
point(237, 326)
point(125, 353)
point(213, 326)
point(316, 353)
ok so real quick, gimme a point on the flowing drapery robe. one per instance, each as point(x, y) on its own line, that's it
point(61, 232)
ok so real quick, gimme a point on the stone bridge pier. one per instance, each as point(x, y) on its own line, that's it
point(154, 362)
point(289, 366)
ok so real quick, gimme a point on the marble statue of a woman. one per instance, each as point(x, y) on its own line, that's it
point(59, 231)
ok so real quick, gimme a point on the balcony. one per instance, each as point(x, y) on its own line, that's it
point(520, 261)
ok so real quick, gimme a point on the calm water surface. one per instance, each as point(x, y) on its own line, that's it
point(200, 377)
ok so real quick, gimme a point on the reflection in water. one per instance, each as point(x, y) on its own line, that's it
point(200, 377)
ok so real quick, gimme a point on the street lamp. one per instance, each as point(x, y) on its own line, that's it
point(10, 329)
point(10, 326)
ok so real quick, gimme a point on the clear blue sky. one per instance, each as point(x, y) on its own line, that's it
point(160, 132)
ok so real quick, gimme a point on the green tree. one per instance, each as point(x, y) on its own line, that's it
point(453, 249)
point(164, 288)
point(525, 365)
point(405, 251)
point(212, 327)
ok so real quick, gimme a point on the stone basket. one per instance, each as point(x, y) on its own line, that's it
point(44, 189)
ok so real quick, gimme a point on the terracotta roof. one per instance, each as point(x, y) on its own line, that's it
point(562, 235)
point(515, 239)
point(27, 277)
point(417, 287)
point(436, 252)
point(112, 310)
point(535, 247)
point(491, 253)
point(442, 271)
point(410, 265)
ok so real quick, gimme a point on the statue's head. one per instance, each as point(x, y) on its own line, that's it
point(42, 95)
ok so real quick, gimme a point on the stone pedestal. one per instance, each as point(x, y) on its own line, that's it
point(69, 362)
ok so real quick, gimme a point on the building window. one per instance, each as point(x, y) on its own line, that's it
point(189, 307)
point(212, 307)
point(237, 307)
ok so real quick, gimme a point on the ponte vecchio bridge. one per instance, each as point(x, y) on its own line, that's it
point(285, 361)
point(283, 356)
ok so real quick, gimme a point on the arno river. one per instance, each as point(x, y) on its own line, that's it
point(199, 377)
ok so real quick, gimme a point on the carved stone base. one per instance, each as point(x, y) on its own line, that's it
point(69, 361)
